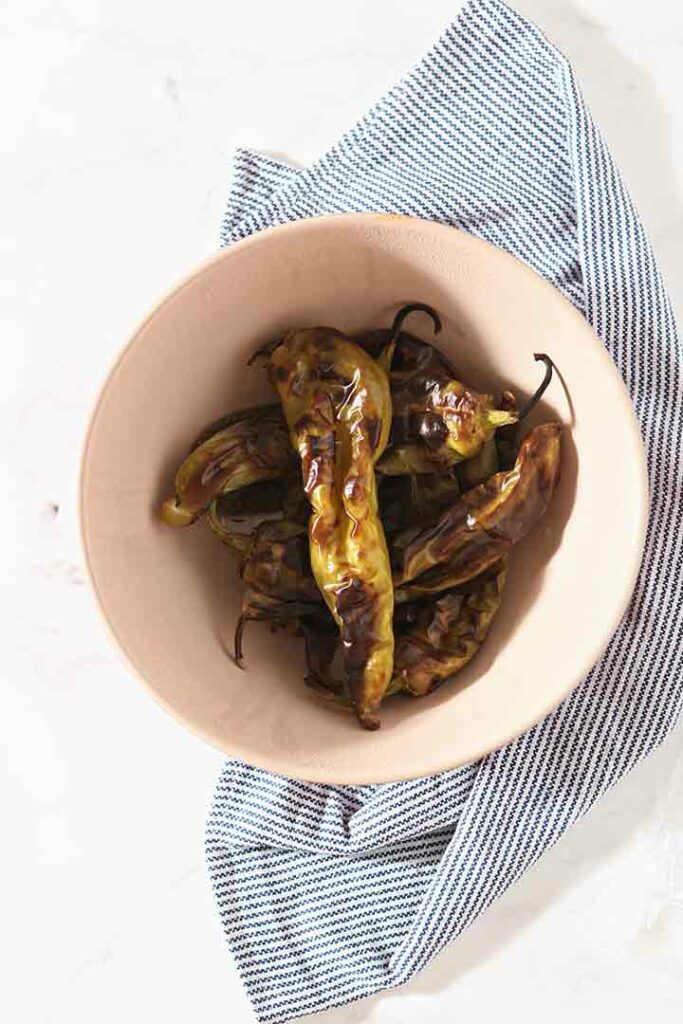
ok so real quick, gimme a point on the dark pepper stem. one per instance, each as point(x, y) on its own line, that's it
point(414, 307)
point(541, 389)
point(237, 643)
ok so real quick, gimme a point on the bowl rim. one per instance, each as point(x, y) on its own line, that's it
point(351, 775)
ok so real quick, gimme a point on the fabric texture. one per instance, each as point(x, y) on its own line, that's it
point(330, 893)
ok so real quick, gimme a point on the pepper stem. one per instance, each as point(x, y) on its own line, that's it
point(413, 307)
point(541, 389)
point(237, 643)
point(387, 353)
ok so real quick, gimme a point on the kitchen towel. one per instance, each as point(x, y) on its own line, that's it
point(330, 893)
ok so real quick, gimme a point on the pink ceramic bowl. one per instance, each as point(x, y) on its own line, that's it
point(171, 598)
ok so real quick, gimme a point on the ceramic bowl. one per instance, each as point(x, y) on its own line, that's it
point(171, 597)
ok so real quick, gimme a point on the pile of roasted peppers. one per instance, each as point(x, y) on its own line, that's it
point(382, 497)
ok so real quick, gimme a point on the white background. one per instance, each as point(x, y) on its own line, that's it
point(118, 122)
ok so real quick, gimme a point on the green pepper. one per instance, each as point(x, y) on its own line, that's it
point(252, 446)
point(483, 524)
point(439, 428)
point(437, 421)
point(447, 634)
point(338, 408)
point(438, 637)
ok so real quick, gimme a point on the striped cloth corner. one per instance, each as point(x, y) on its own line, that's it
point(330, 893)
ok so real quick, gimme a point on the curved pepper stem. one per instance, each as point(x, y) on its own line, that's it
point(386, 356)
point(414, 307)
point(529, 406)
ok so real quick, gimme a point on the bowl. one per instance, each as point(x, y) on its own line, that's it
point(171, 597)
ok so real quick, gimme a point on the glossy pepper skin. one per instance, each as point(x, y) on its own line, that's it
point(437, 421)
point(337, 405)
point(484, 523)
point(447, 634)
point(250, 446)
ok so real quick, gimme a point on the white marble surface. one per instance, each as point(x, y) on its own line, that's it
point(119, 119)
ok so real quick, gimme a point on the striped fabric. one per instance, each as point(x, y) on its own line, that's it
point(330, 893)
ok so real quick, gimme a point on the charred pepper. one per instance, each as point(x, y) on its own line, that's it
point(485, 521)
point(250, 446)
point(338, 408)
point(448, 633)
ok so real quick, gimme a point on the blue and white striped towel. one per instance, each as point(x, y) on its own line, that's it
point(330, 893)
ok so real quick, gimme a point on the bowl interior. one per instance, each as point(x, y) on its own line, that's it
point(171, 598)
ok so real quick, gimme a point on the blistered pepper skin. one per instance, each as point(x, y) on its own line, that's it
point(484, 523)
point(253, 446)
point(337, 405)
point(437, 421)
point(448, 633)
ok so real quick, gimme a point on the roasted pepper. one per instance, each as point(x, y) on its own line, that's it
point(437, 422)
point(484, 523)
point(265, 498)
point(337, 405)
point(447, 634)
point(251, 446)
